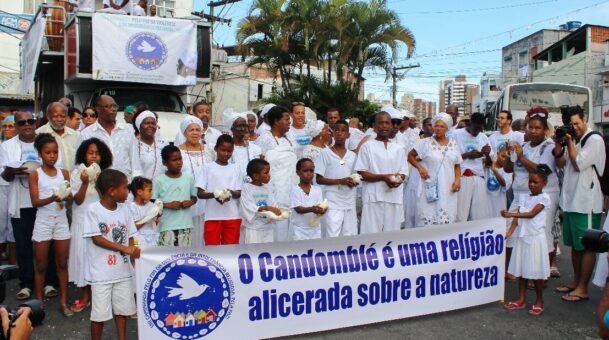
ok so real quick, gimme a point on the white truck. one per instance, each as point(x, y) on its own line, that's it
point(65, 65)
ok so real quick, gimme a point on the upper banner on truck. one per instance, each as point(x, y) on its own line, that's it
point(144, 49)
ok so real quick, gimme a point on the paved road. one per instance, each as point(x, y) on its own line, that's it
point(560, 321)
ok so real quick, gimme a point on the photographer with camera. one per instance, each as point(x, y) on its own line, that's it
point(581, 153)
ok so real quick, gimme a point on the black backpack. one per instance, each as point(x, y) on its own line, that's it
point(604, 179)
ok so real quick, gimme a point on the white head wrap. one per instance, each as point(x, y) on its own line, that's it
point(393, 113)
point(407, 114)
point(442, 116)
point(265, 109)
point(187, 121)
point(143, 115)
point(248, 113)
point(229, 117)
point(313, 127)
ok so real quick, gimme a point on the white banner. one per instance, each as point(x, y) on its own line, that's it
point(144, 49)
point(268, 290)
point(30, 51)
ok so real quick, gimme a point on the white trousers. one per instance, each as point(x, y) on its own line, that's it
point(282, 231)
point(381, 216)
point(338, 222)
point(197, 231)
point(473, 200)
point(258, 235)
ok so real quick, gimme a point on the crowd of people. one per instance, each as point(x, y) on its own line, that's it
point(274, 176)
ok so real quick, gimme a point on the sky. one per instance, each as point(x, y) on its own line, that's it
point(452, 37)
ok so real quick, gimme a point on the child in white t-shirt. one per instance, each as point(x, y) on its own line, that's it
point(258, 197)
point(497, 183)
point(334, 167)
point(220, 184)
point(109, 228)
point(529, 260)
point(304, 200)
point(147, 234)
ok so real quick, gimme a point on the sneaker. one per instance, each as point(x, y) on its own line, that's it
point(49, 291)
point(24, 294)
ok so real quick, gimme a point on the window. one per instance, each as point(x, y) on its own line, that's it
point(164, 8)
point(260, 92)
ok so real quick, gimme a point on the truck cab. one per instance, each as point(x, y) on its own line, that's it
point(65, 66)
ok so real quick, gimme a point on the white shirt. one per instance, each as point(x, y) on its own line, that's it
point(149, 157)
point(466, 142)
point(374, 157)
point(106, 266)
point(540, 154)
point(268, 142)
point(581, 190)
point(122, 144)
point(210, 137)
point(242, 155)
point(301, 140)
point(499, 140)
point(298, 198)
point(355, 136)
point(536, 225)
point(138, 11)
point(252, 198)
point(67, 144)
point(213, 177)
point(331, 166)
point(263, 129)
point(19, 193)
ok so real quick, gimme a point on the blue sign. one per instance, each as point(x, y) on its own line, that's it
point(15, 23)
point(146, 51)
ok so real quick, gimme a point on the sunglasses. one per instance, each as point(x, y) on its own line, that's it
point(25, 122)
point(89, 114)
point(539, 114)
point(298, 103)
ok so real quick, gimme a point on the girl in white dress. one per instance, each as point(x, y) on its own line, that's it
point(438, 161)
point(91, 151)
point(530, 259)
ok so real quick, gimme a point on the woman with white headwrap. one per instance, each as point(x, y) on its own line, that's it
point(244, 151)
point(252, 125)
point(438, 160)
point(194, 155)
point(148, 146)
point(321, 138)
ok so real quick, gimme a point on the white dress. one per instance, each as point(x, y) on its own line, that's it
point(530, 252)
point(150, 159)
point(192, 163)
point(439, 161)
point(78, 245)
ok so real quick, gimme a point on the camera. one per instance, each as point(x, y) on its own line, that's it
point(564, 131)
point(9, 272)
point(596, 241)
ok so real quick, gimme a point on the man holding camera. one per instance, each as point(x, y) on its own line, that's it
point(579, 152)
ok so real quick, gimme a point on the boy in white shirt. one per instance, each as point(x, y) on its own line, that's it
point(222, 219)
point(257, 197)
point(382, 165)
point(476, 151)
point(304, 200)
point(334, 167)
point(110, 228)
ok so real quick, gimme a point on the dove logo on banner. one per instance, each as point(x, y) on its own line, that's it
point(188, 296)
point(146, 51)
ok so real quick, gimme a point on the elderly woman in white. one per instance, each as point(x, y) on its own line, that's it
point(245, 150)
point(149, 146)
point(321, 138)
point(438, 161)
point(194, 155)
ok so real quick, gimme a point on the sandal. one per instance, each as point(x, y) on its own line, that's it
point(24, 294)
point(78, 306)
point(564, 289)
point(514, 305)
point(554, 272)
point(510, 277)
point(535, 310)
point(66, 311)
point(49, 291)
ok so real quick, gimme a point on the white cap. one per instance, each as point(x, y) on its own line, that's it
point(265, 109)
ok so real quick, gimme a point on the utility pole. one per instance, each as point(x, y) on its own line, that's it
point(394, 75)
point(215, 4)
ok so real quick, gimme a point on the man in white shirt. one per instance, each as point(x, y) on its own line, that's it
point(66, 138)
point(453, 111)
point(476, 151)
point(119, 137)
point(581, 198)
point(140, 9)
point(505, 133)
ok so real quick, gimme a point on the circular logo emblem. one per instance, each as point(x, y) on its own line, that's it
point(146, 51)
point(492, 184)
point(188, 296)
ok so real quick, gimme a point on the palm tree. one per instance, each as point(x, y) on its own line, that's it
point(372, 38)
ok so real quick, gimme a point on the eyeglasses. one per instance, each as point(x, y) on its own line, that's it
point(109, 106)
point(89, 114)
point(25, 122)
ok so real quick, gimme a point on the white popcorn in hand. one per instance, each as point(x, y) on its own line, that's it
point(152, 214)
point(285, 214)
point(357, 178)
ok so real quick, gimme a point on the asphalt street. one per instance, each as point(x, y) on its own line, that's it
point(561, 320)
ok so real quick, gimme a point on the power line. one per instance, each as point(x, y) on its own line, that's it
point(470, 10)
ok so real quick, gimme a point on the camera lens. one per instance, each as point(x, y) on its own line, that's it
point(37, 314)
point(596, 241)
